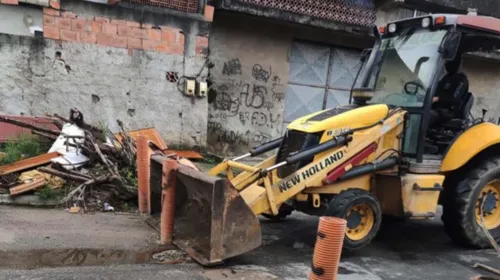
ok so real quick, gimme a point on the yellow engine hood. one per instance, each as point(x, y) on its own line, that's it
point(335, 121)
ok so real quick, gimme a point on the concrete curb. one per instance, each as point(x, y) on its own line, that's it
point(26, 200)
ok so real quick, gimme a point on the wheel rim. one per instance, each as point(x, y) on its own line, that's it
point(360, 221)
point(491, 207)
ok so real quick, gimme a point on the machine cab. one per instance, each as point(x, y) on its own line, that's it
point(404, 70)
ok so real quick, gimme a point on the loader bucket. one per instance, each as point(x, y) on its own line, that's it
point(212, 222)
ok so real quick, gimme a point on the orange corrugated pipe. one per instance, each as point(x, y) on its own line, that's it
point(168, 201)
point(143, 174)
point(328, 248)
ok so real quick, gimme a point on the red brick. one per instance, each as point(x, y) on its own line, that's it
point(139, 33)
point(111, 40)
point(51, 32)
point(10, 2)
point(201, 44)
point(51, 12)
point(55, 4)
point(163, 47)
point(68, 15)
point(48, 20)
point(180, 38)
point(177, 49)
point(88, 37)
point(209, 13)
point(109, 28)
point(95, 27)
point(133, 24)
point(79, 24)
point(63, 23)
point(201, 41)
point(149, 44)
point(154, 34)
point(101, 19)
point(119, 22)
point(134, 43)
point(146, 25)
point(168, 35)
point(124, 30)
point(68, 35)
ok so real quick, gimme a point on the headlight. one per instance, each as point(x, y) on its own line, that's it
point(392, 27)
point(426, 22)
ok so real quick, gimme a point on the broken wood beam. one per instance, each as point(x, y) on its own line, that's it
point(35, 184)
point(64, 175)
point(46, 135)
point(185, 154)
point(482, 277)
point(487, 268)
point(27, 163)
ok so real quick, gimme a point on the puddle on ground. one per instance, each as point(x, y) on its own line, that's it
point(73, 257)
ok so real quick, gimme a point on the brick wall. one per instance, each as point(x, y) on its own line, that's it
point(68, 26)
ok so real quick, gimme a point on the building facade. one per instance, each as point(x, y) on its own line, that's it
point(116, 60)
point(267, 62)
point(278, 60)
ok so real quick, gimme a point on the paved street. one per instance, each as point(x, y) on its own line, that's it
point(415, 250)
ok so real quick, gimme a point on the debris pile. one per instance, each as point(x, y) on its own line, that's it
point(90, 167)
point(95, 165)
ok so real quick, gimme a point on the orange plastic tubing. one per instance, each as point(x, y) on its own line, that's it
point(168, 201)
point(328, 248)
point(143, 174)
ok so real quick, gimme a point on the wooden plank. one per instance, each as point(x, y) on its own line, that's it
point(150, 133)
point(184, 154)
point(27, 163)
point(35, 184)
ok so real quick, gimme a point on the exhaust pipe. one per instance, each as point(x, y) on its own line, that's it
point(369, 168)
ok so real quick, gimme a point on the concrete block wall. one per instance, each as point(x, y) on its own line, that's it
point(111, 65)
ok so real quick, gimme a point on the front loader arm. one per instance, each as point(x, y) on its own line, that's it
point(258, 193)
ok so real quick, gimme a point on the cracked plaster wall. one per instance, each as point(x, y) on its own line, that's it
point(105, 83)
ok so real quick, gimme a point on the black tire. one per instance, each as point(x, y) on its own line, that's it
point(340, 205)
point(459, 205)
point(284, 211)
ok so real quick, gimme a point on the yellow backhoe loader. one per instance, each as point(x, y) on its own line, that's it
point(380, 155)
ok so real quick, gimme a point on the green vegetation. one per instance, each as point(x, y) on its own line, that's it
point(47, 193)
point(23, 147)
point(130, 175)
point(211, 159)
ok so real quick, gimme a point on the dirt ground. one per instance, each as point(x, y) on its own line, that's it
point(412, 250)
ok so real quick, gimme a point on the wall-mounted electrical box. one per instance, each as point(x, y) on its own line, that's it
point(201, 89)
point(189, 87)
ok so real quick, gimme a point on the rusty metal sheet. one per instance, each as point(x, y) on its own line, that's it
point(10, 131)
point(27, 163)
point(150, 133)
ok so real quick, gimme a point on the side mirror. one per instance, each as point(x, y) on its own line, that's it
point(449, 45)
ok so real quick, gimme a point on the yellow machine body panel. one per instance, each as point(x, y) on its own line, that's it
point(469, 144)
point(420, 194)
point(355, 118)
point(311, 175)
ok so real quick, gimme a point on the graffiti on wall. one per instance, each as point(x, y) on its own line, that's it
point(248, 107)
